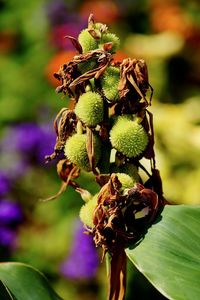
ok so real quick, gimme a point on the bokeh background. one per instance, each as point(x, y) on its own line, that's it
point(49, 235)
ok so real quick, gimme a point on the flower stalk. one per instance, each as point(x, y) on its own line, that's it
point(108, 132)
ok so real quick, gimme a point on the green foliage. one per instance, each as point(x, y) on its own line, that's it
point(169, 254)
point(25, 282)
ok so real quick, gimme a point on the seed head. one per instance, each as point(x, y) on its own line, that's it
point(87, 211)
point(128, 137)
point(89, 109)
point(126, 181)
point(110, 37)
point(110, 82)
point(87, 41)
point(76, 151)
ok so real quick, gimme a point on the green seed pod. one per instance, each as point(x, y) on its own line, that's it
point(110, 82)
point(87, 211)
point(110, 37)
point(87, 41)
point(131, 170)
point(76, 152)
point(100, 26)
point(89, 109)
point(128, 137)
point(126, 181)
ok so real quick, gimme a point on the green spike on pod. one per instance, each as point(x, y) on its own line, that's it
point(110, 38)
point(90, 109)
point(87, 211)
point(128, 137)
point(110, 82)
point(76, 151)
point(87, 42)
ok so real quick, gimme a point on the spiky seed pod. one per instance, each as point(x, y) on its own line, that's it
point(100, 26)
point(126, 181)
point(128, 137)
point(110, 37)
point(110, 82)
point(76, 151)
point(89, 109)
point(87, 210)
point(87, 41)
point(131, 170)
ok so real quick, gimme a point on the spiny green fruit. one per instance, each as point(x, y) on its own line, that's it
point(126, 181)
point(76, 151)
point(87, 41)
point(99, 26)
point(110, 82)
point(89, 109)
point(131, 170)
point(128, 137)
point(87, 211)
point(110, 37)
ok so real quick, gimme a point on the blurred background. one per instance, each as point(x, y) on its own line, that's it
point(49, 235)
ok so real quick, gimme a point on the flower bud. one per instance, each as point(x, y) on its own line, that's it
point(89, 109)
point(87, 41)
point(110, 82)
point(128, 137)
point(87, 211)
point(76, 151)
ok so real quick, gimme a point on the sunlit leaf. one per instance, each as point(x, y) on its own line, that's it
point(169, 255)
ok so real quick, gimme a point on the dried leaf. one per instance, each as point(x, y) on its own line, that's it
point(75, 43)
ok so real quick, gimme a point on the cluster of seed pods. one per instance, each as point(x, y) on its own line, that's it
point(107, 130)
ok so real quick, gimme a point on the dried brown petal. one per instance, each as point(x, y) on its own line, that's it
point(64, 125)
point(134, 74)
point(75, 43)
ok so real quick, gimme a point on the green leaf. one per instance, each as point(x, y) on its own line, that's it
point(25, 282)
point(169, 255)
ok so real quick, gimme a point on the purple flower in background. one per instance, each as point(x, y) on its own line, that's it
point(11, 216)
point(4, 183)
point(83, 260)
point(24, 137)
point(56, 12)
point(30, 143)
point(7, 237)
point(63, 22)
point(46, 143)
point(10, 212)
